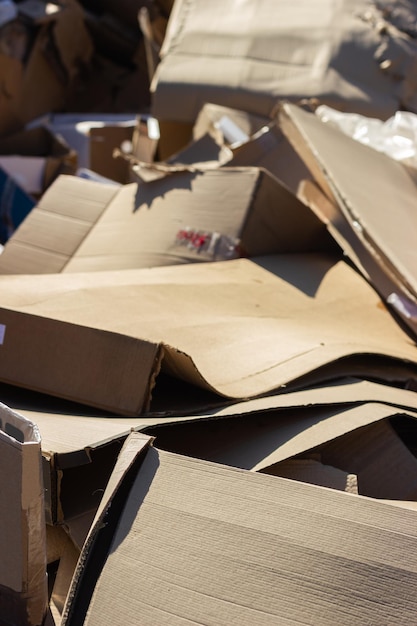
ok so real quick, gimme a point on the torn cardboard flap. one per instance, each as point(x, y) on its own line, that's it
point(23, 581)
point(233, 327)
point(223, 526)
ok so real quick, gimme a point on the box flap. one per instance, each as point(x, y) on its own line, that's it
point(23, 581)
point(55, 230)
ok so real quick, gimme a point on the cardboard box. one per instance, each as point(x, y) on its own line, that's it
point(236, 329)
point(61, 46)
point(346, 55)
point(15, 206)
point(79, 448)
point(382, 241)
point(35, 157)
point(94, 137)
point(253, 141)
point(237, 547)
point(23, 582)
point(191, 217)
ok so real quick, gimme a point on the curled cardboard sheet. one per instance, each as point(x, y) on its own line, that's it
point(238, 328)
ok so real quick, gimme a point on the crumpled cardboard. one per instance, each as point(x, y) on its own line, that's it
point(348, 55)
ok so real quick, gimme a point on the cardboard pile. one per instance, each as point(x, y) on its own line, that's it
point(208, 315)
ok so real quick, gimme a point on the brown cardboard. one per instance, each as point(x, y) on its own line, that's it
point(174, 137)
point(60, 223)
point(61, 46)
point(38, 146)
point(177, 220)
point(383, 464)
point(228, 137)
point(81, 442)
point(79, 448)
point(103, 140)
point(253, 140)
point(192, 541)
point(23, 582)
point(94, 136)
point(80, 445)
point(347, 55)
point(61, 550)
point(236, 328)
point(384, 241)
point(314, 472)
point(357, 438)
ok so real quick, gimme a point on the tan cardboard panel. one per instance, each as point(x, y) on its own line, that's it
point(384, 465)
point(232, 327)
point(59, 234)
point(54, 229)
point(21, 258)
point(386, 235)
point(76, 197)
point(267, 50)
point(200, 543)
point(23, 581)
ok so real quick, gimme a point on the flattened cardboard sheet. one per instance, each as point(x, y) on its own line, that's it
point(201, 543)
point(233, 327)
point(375, 199)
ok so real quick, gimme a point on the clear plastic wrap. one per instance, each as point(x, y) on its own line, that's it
point(396, 137)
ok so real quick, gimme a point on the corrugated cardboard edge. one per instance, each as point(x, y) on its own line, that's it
point(117, 490)
point(30, 604)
